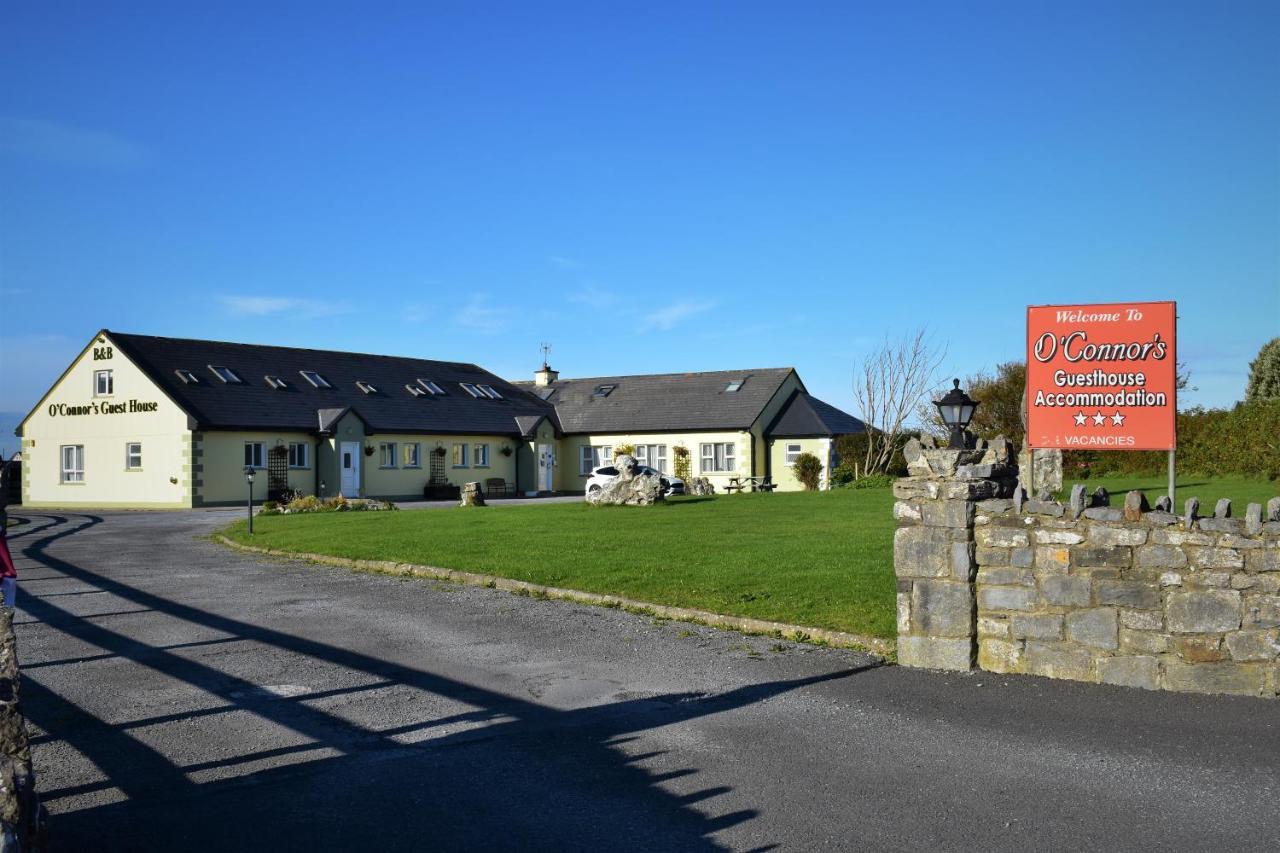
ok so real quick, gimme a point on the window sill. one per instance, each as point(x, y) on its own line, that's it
point(413, 467)
point(386, 467)
point(71, 483)
point(479, 466)
point(133, 470)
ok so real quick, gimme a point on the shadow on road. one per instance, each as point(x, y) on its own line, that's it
point(523, 777)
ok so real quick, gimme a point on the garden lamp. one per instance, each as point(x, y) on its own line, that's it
point(248, 478)
point(957, 411)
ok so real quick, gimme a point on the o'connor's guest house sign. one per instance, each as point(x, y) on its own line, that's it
point(1102, 377)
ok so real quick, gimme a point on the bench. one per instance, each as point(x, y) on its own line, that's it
point(496, 487)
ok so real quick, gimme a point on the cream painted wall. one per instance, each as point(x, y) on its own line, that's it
point(165, 478)
point(220, 458)
point(784, 475)
point(759, 442)
point(403, 482)
point(569, 480)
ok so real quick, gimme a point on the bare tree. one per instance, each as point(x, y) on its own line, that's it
point(888, 386)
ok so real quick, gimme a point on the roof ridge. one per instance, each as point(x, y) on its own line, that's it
point(744, 372)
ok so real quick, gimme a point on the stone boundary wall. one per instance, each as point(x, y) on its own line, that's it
point(1130, 596)
point(23, 821)
point(1085, 591)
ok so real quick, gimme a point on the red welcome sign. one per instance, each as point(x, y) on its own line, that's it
point(1102, 377)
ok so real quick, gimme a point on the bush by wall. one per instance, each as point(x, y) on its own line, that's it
point(808, 470)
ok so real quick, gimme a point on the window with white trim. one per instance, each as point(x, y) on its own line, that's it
point(366, 387)
point(459, 455)
point(472, 390)
point(490, 392)
point(187, 376)
point(103, 383)
point(226, 374)
point(387, 457)
point(719, 457)
point(253, 454)
point(412, 454)
point(133, 456)
point(72, 463)
point(653, 455)
point(431, 387)
point(793, 453)
point(298, 453)
point(316, 380)
point(593, 456)
point(480, 459)
point(415, 391)
point(277, 383)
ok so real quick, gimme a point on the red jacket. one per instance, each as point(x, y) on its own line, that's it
point(7, 568)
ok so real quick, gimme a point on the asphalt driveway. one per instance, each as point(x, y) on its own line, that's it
point(187, 697)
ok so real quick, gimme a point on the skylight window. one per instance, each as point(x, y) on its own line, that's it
point(603, 391)
point(472, 390)
point(187, 376)
point(226, 374)
point(276, 382)
point(734, 385)
point(315, 379)
point(431, 387)
point(489, 392)
point(415, 390)
point(366, 388)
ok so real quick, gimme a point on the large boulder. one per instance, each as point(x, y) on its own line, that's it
point(699, 486)
point(631, 487)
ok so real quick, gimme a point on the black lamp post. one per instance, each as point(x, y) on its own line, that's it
point(957, 411)
point(248, 478)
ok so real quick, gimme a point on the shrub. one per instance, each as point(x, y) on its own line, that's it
point(852, 450)
point(808, 470)
point(842, 475)
point(309, 503)
point(1264, 373)
point(875, 481)
point(624, 450)
point(270, 508)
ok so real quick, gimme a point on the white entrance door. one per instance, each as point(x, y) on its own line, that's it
point(350, 453)
point(546, 468)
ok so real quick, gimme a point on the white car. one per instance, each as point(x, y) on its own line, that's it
point(606, 474)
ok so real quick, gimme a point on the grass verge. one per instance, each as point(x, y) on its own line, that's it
point(1208, 489)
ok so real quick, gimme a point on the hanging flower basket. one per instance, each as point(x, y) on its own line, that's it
point(368, 450)
point(439, 451)
point(506, 450)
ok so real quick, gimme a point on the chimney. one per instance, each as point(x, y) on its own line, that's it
point(545, 376)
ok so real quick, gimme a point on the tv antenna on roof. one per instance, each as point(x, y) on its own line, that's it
point(546, 354)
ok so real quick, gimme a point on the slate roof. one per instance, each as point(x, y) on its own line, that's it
point(664, 402)
point(255, 405)
point(806, 415)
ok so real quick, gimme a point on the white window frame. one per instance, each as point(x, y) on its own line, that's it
point(431, 387)
point(132, 458)
point(277, 382)
point(299, 455)
point(472, 390)
point(460, 455)
point(659, 462)
point(793, 454)
point(592, 456)
point(226, 374)
point(71, 465)
point(366, 387)
point(387, 454)
point(480, 456)
point(98, 377)
point(414, 390)
point(490, 392)
point(255, 454)
point(187, 376)
point(412, 454)
point(316, 380)
point(718, 457)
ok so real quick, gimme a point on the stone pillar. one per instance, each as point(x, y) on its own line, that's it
point(933, 547)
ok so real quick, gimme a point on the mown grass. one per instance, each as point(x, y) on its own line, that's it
point(1209, 490)
point(818, 559)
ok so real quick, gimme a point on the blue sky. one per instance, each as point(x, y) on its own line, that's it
point(649, 187)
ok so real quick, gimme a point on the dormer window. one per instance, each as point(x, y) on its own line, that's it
point(187, 376)
point(733, 386)
point(490, 392)
point(472, 390)
point(603, 391)
point(316, 380)
point(431, 387)
point(415, 390)
point(276, 382)
point(226, 374)
point(366, 388)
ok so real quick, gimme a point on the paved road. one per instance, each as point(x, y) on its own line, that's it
point(191, 698)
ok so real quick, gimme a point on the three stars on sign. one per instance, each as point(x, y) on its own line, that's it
point(1099, 419)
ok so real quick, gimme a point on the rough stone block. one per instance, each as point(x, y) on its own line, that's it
point(1006, 598)
point(1102, 535)
point(922, 552)
point(1065, 590)
point(1113, 556)
point(993, 626)
point(1051, 508)
point(1239, 678)
point(1157, 518)
point(1221, 525)
point(1104, 513)
point(1142, 620)
point(1203, 612)
point(1253, 519)
point(1263, 561)
point(1217, 558)
point(906, 511)
point(1052, 559)
point(1180, 537)
point(1058, 537)
point(1143, 642)
point(1262, 611)
point(1036, 626)
point(1200, 649)
point(1100, 497)
point(1002, 537)
point(933, 653)
point(1136, 594)
point(941, 608)
point(993, 556)
point(904, 613)
point(1130, 671)
point(995, 505)
point(963, 563)
point(1055, 660)
point(1025, 557)
point(916, 489)
point(1241, 543)
point(1078, 500)
point(947, 513)
point(1273, 509)
point(1006, 576)
point(1254, 645)
point(1164, 505)
point(1190, 512)
point(999, 656)
point(1135, 504)
point(1170, 579)
point(1160, 557)
point(1097, 627)
point(1223, 508)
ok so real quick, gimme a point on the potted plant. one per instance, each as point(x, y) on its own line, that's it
point(506, 450)
point(368, 450)
point(439, 450)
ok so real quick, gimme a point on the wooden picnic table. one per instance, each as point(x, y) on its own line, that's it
point(756, 484)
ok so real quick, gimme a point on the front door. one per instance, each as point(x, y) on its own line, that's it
point(546, 468)
point(350, 461)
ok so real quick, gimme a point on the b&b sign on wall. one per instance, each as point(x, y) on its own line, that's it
point(1102, 377)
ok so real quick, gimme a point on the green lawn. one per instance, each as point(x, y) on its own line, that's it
point(821, 560)
point(1208, 489)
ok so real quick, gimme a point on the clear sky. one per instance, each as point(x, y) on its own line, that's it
point(647, 186)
